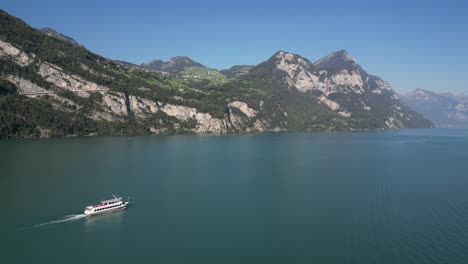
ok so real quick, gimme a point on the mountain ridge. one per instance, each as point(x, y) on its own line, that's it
point(174, 64)
point(347, 91)
point(50, 87)
point(53, 33)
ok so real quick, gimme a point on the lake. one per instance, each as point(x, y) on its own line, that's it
point(360, 197)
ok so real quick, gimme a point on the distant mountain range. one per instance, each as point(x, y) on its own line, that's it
point(50, 86)
point(443, 109)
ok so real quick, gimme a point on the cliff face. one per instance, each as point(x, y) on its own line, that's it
point(50, 86)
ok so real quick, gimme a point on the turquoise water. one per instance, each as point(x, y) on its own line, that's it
point(367, 197)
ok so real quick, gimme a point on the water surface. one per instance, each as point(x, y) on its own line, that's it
point(366, 197)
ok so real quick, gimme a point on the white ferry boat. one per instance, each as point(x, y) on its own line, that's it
point(106, 206)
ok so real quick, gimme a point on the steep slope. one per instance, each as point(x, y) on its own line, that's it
point(443, 109)
point(175, 64)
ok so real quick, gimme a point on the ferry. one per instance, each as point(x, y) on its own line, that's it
point(107, 206)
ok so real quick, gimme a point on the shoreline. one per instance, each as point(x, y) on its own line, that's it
point(230, 133)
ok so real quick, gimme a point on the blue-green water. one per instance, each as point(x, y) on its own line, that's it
point(370, 197)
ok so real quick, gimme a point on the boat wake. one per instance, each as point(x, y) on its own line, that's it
point(68, 218)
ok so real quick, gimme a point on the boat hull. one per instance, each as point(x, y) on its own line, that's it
point(124, 206)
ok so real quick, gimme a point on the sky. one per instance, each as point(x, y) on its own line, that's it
point(411, 44)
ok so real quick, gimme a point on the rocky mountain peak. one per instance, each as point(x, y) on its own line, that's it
point(284, 58)
point(338, 83)
point(287, 55)
point(337, 60)
point(181, 59)
point(284, 54)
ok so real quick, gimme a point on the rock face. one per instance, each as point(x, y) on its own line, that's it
point(25, 87)
point(244, 108)
point(115, 102)
point(142, 107)
point(299, 71)
point(18, 56)
point(55, 75)
point(205, 123)
point(443, 109)
point(32, 90)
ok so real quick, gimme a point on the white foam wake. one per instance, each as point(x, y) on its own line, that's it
point(68, 218)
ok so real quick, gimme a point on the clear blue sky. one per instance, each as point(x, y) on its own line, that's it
point(409, 43)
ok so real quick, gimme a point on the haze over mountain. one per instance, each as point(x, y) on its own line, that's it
point(443, 109)
point(50, 86)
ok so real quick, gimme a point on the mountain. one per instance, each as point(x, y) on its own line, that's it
point(51, 87)
point(52, 33)
point(337, 61)
point(443, 109)
point(237, 70)
point(358, 100)
point(175, 64)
